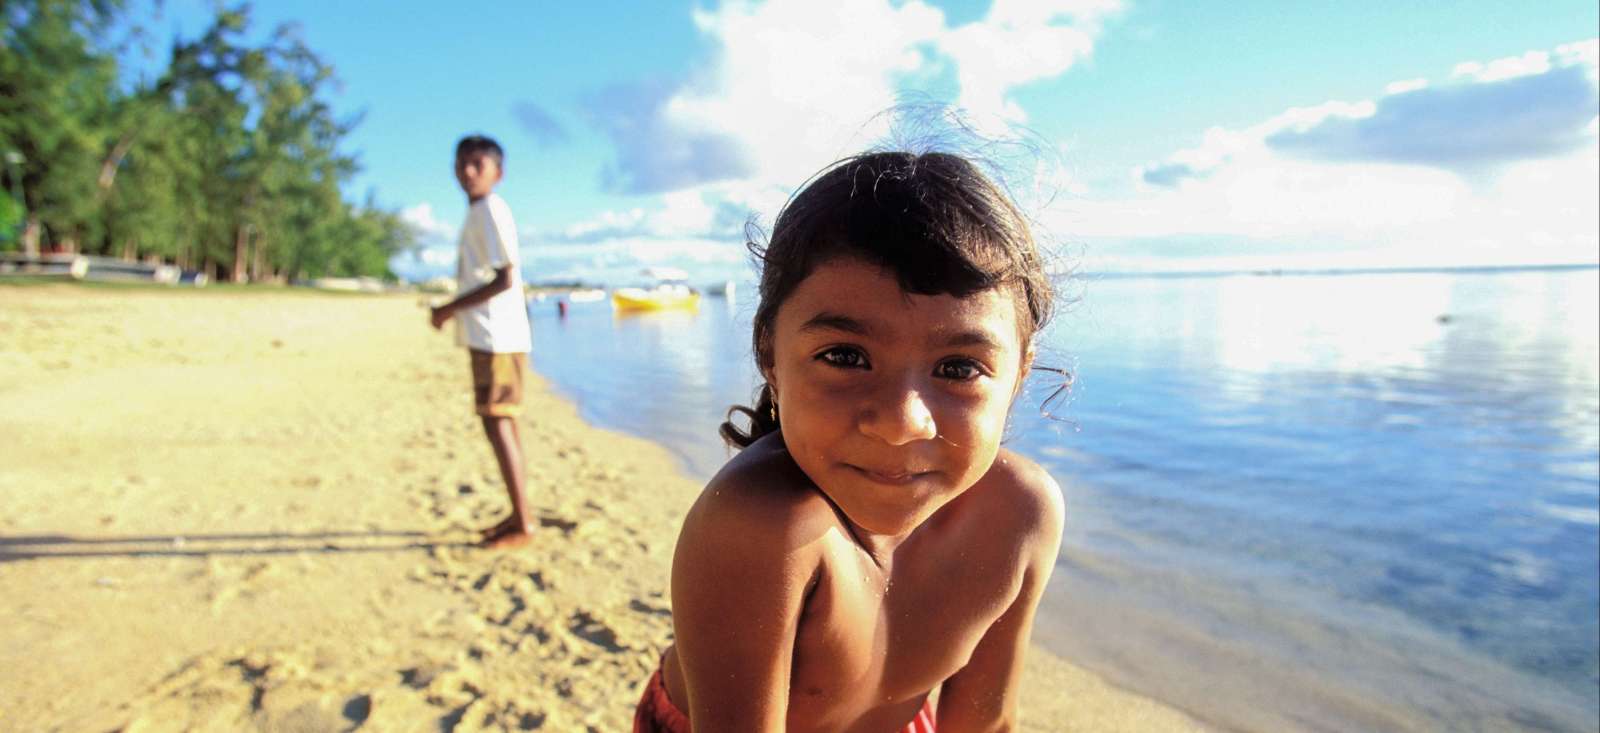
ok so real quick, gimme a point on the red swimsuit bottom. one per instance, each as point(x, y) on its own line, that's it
point(657, 714)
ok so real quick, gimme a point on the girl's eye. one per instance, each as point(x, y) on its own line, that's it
point(958, 369)
point(844, 357)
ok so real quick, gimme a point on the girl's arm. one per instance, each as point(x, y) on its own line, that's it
point(743, 565)
point(983, 695)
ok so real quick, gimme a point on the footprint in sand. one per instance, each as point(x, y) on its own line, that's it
point(643, 607)
point(565, 525)
point(277, 690)
point(590, 629)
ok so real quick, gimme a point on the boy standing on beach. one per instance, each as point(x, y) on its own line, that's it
point(492, 322)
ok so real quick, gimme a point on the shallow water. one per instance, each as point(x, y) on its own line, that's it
point(1325, 502)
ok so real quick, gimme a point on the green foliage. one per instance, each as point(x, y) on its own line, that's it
point(229, 160)
point(55, 88)
point(10, 223)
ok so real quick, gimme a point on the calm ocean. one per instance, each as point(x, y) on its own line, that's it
point(1300, 502)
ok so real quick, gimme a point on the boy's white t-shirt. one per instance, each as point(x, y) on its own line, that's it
point(489, 242)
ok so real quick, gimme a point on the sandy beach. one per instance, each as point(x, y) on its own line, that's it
point(254, 509)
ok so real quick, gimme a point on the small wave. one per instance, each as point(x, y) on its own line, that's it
point(1575, 514)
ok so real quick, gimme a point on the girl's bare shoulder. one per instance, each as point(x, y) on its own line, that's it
point(761, 492)
point(1020, 494)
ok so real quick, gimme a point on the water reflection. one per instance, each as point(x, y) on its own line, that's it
point(667, 375)
point(1333, 440)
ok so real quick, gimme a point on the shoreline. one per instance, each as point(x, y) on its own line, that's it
point(254, 509)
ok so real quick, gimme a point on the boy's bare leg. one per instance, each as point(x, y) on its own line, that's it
point(506, 439)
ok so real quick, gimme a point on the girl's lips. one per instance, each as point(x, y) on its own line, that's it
point(893, 478)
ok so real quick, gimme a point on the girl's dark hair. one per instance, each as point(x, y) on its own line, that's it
point(933, 219)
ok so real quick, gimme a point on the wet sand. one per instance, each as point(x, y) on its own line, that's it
point(255, 509)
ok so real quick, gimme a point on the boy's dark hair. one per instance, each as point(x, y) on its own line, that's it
point(933, 219)
point(480, 145)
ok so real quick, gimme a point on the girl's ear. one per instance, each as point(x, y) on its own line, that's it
point(1025, 366)
point(764, 361)
point(764, 365)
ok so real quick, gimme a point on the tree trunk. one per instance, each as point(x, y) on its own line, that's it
point(108, 169)
point(30, 236)
point(258, 261)
point(130, 250)
point(241, 254)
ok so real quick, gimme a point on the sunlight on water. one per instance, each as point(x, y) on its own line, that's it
point(1417, 452)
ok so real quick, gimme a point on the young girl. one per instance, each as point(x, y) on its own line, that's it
point(872, 541)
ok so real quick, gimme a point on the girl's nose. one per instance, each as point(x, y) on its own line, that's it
point(902, 416)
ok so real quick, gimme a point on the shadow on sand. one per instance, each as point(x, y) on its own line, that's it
point(66, 547)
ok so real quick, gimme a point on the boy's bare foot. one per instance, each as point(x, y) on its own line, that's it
point(512, 537)
point(503, 526)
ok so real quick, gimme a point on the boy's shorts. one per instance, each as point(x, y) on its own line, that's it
point(497, 382)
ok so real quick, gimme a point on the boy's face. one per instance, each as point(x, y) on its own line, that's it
point(893, 403)
point(477, 173)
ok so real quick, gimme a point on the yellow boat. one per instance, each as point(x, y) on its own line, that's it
point(663, 297)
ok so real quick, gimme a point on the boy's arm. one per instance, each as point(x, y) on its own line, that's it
point(499, 233)
point(501, 283)
point(983, 695)
point(743, 566)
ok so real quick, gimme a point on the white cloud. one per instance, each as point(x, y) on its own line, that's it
point(792, 85)
point(1018, 42)
point(794, 81)
point(1582, 53)
point(428, 226)
point(1528, 64)
point(1405, 85)
point(800, 82)
point(608, 221)
point(1499, 112)
point(1493, 164)
point(695, 213)
point(1497, 167)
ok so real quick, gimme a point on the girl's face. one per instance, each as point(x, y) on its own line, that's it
point(892, 403)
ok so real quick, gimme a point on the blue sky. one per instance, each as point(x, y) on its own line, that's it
point(1169, 135)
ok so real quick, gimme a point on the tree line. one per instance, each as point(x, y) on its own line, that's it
point(226, 162)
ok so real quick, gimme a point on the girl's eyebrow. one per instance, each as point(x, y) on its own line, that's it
point(981, 338)
point(826, 321)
